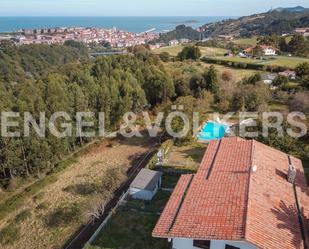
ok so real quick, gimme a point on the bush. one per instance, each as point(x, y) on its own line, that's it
point(302, 69)
point(63, 216)
point(252, 66)
point(42, 206)
point(18, 200)
point(9, 234)
point(23, 215)
point(280, 81)
point(189, 53)
point(300, 102)
point(164, 56)
point(38, 197)
point(82, 189)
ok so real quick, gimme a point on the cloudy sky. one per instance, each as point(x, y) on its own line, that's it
point(141, 7)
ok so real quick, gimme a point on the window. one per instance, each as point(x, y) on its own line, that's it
point(203, 244)
point(231, 247)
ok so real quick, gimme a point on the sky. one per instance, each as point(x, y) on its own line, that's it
point(141, 7)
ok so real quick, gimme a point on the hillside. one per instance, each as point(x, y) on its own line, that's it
point(180, 32)
point(277, 21)
point(292, 9)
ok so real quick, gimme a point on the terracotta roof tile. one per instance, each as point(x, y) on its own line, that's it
point(226, 201)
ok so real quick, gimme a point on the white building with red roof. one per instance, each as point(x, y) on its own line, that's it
point(267, 50)
point(240, 198)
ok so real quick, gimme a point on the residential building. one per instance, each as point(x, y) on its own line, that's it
point(173, 43)
point(267, 50)
point(268, 78)
point(245, 195)
point(289, 74)
point(303, 31)
point(184, 41)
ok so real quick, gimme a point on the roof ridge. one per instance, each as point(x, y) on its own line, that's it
point(248, 191)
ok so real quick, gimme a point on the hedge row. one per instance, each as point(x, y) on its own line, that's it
point(243, 65)
point(166, 147)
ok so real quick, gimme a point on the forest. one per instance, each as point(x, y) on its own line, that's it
point(41, 78)
point(63, 78)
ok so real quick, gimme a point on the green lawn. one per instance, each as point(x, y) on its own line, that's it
point(284, 61)
point(169, 181)
point(253, 40)
point(246, 41)
point(130, 230)
point(189, 68)
point(132, 224)
point(173, 51)
point(291, 62)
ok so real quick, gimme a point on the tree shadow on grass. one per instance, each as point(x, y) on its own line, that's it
point(63, 216)
point(83, 189)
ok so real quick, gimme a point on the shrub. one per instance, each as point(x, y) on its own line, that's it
point(38, 197)
point(42, 206)
point(253, 66)
point(82, 189)
point(189, 53)
point(18, 200)
point(23, 215)
point(300, 102)
point(302, 69)
point(9, 234)
point(280, 81)
point(63, 216)
point(165, 56)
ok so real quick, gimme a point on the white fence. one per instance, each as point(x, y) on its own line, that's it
point(93, 237)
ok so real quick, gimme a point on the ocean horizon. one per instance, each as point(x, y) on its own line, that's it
point(129, 23)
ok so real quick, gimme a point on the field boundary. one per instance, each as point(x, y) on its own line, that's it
point(82, 238)
point(103, 224)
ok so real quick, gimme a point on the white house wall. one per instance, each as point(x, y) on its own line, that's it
point(142, 194)
point(179, 243)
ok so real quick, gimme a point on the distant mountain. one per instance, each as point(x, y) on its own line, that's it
point(277, 21)
point(296, 9)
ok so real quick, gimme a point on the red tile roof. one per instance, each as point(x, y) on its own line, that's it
point(234, 203)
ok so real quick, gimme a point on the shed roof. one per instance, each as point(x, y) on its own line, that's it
point(146, 179)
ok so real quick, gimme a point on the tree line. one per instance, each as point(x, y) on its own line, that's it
point(50, 79)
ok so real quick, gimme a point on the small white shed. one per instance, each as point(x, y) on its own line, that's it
point(146, 184)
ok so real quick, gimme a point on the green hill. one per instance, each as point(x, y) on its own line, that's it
point(181, 32)
point(278, 21)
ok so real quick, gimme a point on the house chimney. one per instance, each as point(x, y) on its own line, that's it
point(291, 174)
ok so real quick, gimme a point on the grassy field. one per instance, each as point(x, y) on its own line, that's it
point(189, 68)
point(206, 51)
point(47, 213)
point(186, 157)
point(290, 62)
point(253, 40)
point(246, 41)
point(130, 230)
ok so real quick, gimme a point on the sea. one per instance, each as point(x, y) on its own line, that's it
point(132, 24)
